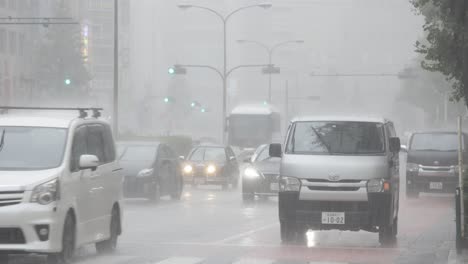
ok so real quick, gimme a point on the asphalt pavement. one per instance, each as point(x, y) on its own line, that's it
point(212, 226)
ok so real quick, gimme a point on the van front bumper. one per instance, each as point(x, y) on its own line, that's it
point(20, 225)
point(440, 183)
point(359, 215)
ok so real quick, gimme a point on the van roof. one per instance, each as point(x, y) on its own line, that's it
point(371, 119)
point(43, 120)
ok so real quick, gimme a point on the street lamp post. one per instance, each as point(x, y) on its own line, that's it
point(271, 50)
point(224, 19)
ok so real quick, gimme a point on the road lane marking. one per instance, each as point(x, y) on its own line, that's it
point(247, 233)
point(254, 261)
point(181, 260)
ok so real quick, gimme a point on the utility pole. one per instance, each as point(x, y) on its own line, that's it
point(115, 118)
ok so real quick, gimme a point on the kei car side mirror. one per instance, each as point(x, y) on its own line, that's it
point(395, 144)
point(89, 162)
point(275, 151)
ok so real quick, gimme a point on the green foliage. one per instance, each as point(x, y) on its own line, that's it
point(444, 47)
point(59, 59)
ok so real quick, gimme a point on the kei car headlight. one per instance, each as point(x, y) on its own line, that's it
point(378, 185)
point(188, 169)
point(289, 184)
point(145, 173)
point(413, 167)
point(211, 169)
point(46, 193)
point(251, 173)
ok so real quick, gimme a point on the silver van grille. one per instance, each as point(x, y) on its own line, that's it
point(11, 197)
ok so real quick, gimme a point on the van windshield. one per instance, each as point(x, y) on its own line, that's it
point(434, 142)
point(333, 137)
point(31, 148)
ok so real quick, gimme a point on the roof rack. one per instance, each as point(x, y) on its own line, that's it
point(83, 111)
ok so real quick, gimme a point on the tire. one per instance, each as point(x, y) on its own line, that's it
point(411, 194)
point(248, 197)
point(288, 232)
point(68, 243)
point(178, 194)
point(109, 246)
point(155, 193)
point(387, 235)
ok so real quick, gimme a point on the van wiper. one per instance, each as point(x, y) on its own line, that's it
point(2, 140)
point(321, 139)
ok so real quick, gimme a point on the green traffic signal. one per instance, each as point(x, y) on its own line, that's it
point(203, 110)
point(67, 81)
point(171, 71)
point(167, 100)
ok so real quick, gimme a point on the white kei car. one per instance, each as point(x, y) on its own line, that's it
point(60, 183)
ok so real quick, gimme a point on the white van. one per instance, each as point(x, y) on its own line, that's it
point(60, 184)
point(339, 173)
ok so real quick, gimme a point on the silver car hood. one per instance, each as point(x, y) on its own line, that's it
point(327, 166)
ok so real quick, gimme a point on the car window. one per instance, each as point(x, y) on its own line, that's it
point(263, 155)
point(198, 154)
point(434, 142)
point(139, 153)
point(95, 142)
point(109, 145)
point(163, 153)
point(79, 148)
point(208, 154)
point(230, 153)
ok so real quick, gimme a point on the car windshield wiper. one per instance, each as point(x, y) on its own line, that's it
point(2, 140)
point(322, 141)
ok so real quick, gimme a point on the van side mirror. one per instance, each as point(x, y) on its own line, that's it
point(89, 162)
point(404, 148)
point(395, 144)
point(275, 151)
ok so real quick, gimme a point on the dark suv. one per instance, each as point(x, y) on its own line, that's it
point(432, 164)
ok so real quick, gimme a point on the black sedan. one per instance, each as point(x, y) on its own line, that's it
point(151, 170)
point(260, 177)
point(211, 165)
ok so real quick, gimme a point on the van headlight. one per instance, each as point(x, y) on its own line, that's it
point(188, 169)
point(289, 184)
point(412, 167)
point(378, 186)
point(251, 173)
point(211, 169)
point(145, 173)
point(46, 193)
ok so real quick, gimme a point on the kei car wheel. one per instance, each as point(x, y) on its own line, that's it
point(68, 244)
point(108, 246)
point(288, 232)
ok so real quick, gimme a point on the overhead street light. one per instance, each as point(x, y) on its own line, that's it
point(224, 73)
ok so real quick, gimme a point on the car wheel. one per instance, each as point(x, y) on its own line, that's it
point(248, 197)
point(155, 192)
point(387, 235)
point(411, 194)
point(68, 244)
point(108, 246)
point(288, 232)
point(178, 193)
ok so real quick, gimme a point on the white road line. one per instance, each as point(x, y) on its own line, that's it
point(181, 260)
point(254, 261)
point(247, 233)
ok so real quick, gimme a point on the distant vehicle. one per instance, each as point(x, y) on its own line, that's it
point(339, 173)
point(151, 171)
point(261, 176)
point(211, 165)
point(60, 185)
point(432, 163)
point(252, 125)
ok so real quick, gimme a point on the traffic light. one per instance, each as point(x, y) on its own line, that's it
point(265, 103)
point(195, 104)
point(203, 110)
point(168, 100)
point(67, 81)
point(171, 71)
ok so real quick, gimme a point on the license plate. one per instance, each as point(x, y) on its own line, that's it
point(333, 218)
point(436, 186)
point(274, 186)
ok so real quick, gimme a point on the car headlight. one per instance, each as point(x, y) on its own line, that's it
point(289, 184)
point(251, 173)
point(188, 169)
point(145, 173)
point(211, 169)
point(378, 185)
point(413, 167)
point(46, 193)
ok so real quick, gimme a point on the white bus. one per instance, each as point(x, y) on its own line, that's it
point(251, 125)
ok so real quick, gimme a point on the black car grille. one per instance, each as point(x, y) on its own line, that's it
point(328, 181)
point(327, 206)
point(334, 189)
point(11, 236)
point(10, 198)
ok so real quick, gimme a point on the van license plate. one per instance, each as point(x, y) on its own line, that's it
point(436, 186)
point(333, 218)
